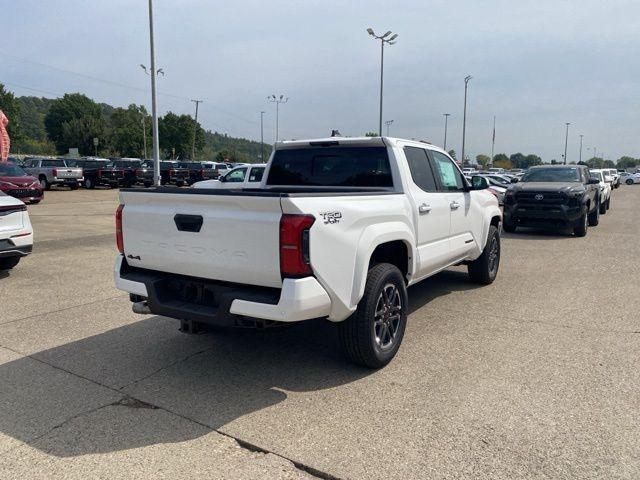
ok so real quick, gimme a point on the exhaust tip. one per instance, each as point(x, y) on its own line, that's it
point(141, 308)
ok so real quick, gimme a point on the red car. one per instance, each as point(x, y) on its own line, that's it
point(16, 182)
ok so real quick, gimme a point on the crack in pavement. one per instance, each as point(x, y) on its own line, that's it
point(130, 401)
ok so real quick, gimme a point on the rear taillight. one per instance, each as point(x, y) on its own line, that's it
point(202, 172)
point(294, 245)
point(172, 172)
point(7, 209)
point(119, 238)
point(99, 173)
point(54, 172)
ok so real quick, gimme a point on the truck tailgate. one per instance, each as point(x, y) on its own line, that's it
point(68, 173)
point(219, 237)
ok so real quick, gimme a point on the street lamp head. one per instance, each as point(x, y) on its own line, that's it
point(393, 37)
point(467, 78)
point(391, 43)
point(370, 32)
point(144, 68)
point(386, 34)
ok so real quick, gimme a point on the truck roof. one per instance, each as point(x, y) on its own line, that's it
point(352, 141)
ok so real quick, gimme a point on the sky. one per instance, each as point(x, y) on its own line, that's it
point(535, 65)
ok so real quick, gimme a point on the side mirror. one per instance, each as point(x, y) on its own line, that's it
point(593, 181)
point(514, 180)
point(222, 178)
point(479, 183)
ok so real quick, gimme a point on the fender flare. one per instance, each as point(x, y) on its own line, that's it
point(371, 238)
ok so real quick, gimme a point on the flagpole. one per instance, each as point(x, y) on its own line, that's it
point(493, 138)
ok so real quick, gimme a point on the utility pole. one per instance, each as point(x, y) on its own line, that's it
point(154, 108)
point(277, 101)
point(566, 140)
point(581, 148)
point(262, 136)
point(144, 139)
point(464, 118)
point(493, 138)
point(388, 124)
point(195, 130)
point(391, 41)
point(446, 121)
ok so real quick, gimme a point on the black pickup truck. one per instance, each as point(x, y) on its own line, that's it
point(130, 167)
point(100, 172)
point(171, 173)
point(563, 196)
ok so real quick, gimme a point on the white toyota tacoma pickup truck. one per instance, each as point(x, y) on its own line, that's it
point(339, 228)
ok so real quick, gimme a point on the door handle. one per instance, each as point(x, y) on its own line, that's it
point(424, 208)
point(454, 205)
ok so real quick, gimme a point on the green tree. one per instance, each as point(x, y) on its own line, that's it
point(126, 137)
point(452, 154)
point(176, 134)
point(11, 108)
point(67, 116)
point(609, 164)
point(500, 157)
point(371, 134)
point(531, 160)
point(595, 162)
point(628, 162)
point(502, 163)
point(483, 160)
point(517, 160)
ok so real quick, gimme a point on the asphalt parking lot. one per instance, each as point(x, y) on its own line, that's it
point(534, 376)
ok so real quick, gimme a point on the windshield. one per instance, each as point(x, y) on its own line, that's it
point(11, 170)
point(331, 166)
point(568, 174)
point(597, 175)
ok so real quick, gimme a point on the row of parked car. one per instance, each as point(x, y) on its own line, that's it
point(28, 178)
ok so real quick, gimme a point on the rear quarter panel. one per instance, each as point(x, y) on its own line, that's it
point(346, 231)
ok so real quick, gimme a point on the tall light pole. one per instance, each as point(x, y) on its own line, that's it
point(580, 148)
point(154, 108)
point(195, 130)
point(144, 138)
point(277, 101)
point(464, 118)
point(262, 136)
point(566, 139)
point(391, 41)
point(388, 124)
point(493, 138)
point(446, 121)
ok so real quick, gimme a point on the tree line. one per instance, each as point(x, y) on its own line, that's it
point(51, 126)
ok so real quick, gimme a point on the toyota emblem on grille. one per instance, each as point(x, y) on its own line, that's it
point(539, 196)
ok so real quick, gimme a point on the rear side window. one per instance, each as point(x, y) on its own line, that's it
point(420, 168)
point(256, 174)
point(53, 163)
point(331, 166)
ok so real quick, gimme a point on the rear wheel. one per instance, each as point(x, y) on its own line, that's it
point(8, 263)
point(73, 186)
point(608, 203)
point(372, 336)
point(580, 230)
point(629, 181)
point(594, 216)
point(484, 269)
point(88, 183)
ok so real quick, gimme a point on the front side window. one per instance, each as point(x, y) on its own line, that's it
point(450, 176)
point(236, 175)
point(420, 168)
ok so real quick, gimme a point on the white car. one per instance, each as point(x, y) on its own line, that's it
point(249, 176)
point(605, 188)
point(339, 228)
point(16, 233)
point(630, 178)
point(615, 176)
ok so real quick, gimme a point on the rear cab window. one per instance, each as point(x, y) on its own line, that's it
point(339, 166)
point(53, 163)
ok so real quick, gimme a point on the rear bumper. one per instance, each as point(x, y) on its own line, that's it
point(222, 303)
point(16, 247)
